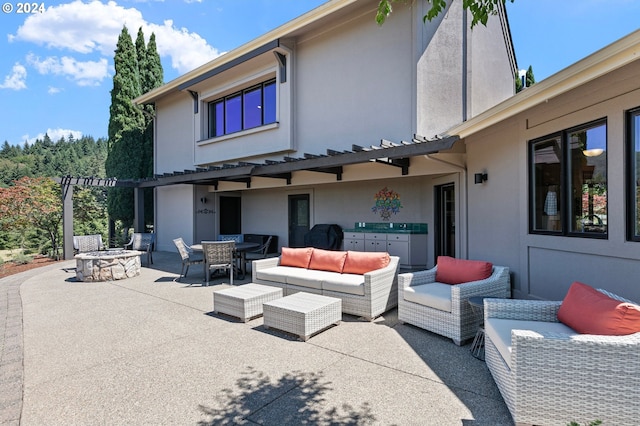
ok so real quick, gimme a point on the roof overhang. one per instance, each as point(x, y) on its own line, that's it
point(600, 63)
point(224, 61)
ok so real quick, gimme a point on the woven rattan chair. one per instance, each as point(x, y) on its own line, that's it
point(142, 241)
point(87, 243)
point(552, 378)
point(218, 255)
point(458, 323)
point(187, 256)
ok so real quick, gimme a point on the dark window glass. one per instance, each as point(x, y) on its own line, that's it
point(233, 117)
point(588, 179)
point(218, 121)
point(269, 103)
point(568, 182)
point(250, 108)
point(253, 108)
point(547, 184)
point(633, 167)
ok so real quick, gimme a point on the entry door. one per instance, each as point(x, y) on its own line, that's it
point(445, 220)
point(230, 215)
point(298, 219)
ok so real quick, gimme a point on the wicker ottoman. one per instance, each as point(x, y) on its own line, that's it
point(245, 301)
point(302, 314)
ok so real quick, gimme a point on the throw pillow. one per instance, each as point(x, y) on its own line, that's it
point(327, 260)
point(297, 257)
point(457, 271)
point(359, 262)
point(588, 311)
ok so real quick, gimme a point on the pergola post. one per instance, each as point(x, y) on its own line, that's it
point(138, 209)
point(67, 220)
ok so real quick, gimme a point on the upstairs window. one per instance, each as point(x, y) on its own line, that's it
point(246, 109)
point(568, 182)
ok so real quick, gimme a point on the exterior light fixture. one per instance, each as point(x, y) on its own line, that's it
point(480, 178)
point(594, 152)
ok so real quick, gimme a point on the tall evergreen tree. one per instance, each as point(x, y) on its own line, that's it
point(126, 124)
point(151, 76)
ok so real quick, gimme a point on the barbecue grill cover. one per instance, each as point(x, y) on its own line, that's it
point(328, 237)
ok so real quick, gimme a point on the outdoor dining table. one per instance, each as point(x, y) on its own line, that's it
point(241, 249)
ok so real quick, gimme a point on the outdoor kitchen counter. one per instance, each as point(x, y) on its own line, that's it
point(408, 241)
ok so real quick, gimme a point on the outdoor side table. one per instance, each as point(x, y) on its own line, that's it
point(245, 301)
point(477, 306)
point(303, 314)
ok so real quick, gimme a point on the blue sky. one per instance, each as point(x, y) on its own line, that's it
point(56, 67)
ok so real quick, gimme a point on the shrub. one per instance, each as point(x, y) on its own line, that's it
point(22, 259)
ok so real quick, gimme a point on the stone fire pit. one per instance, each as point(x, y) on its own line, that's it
point(107, 265)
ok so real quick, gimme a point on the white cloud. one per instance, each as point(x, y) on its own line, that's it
point(54, 135)
point(94, 27)
point(17, 79)
point(87, 73)
point(53, 90)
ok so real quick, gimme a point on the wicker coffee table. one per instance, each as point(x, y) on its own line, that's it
point(303, 314)
point(245, 301)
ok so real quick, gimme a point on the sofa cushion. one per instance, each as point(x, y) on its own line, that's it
point(277, 274)
point(344, 283)
point(327, 260)
point(589, 311)
point(308, 278)
point(359, 262)
point(457, 271)
point(434, 295)
point(498, 330)
point(296, 257)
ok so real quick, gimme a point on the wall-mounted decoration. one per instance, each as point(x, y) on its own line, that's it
point(387, 202)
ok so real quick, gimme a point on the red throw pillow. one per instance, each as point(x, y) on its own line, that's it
point(327, 260)
point(298, 257)
point(359, 262)
point(457, 271)
point(588, 311)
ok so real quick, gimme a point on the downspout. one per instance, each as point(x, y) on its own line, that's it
point(463, 212)
point(465, 67)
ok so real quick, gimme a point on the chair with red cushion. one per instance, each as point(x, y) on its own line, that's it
point(437, 299)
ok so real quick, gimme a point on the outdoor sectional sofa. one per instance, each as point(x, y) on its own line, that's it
point(367, 283)
point(551, 373)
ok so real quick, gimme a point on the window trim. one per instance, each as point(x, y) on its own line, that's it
point(565, 191)
point(211, 111)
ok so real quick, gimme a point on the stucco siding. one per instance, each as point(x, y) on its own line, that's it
point(174, 216)
point(174, 133)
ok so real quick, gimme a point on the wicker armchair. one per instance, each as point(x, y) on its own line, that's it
point(456, 320)
point(87, 243)
point(142, 241)
point(219, 255)
point(186, 254)
point(552, 377)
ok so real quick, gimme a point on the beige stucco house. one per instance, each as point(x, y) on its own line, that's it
point(307, 123)
point(543, 182)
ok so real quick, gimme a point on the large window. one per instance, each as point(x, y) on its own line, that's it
point(568, 182)
point(249, 108)
point(633, 177)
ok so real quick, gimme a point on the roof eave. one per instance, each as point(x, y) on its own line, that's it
point(282, 31)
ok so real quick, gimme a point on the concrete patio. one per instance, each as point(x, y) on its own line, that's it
point(148, 350)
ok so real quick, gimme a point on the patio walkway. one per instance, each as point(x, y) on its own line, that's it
point(147, 350)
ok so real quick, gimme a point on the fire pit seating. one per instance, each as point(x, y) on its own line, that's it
point(576, 359)
point(367, 283)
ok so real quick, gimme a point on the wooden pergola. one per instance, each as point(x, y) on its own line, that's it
point(390, 153)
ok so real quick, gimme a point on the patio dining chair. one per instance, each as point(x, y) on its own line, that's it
point(259, 253)
point(187, 256)
point(218, 255)
point(142, 241)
